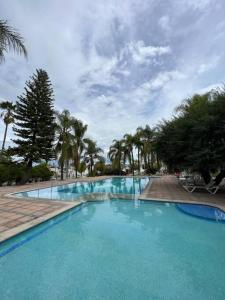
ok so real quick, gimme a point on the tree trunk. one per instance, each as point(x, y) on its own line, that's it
point(157, 160)
point(138, 161)
point(77, 161)
point(91, 165)
point(61, 170)
point(152, 159)
point(132, 158)
point(145, 160)
point(5, 134)
point(120, 171)
point(67, 169)
point(27, 174)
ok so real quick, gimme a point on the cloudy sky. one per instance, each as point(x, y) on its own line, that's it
point(117, 64)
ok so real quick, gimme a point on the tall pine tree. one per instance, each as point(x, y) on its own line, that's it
point(34, 120)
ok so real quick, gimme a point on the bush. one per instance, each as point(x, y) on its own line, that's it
point(41, 171)
point(14, 172)
point(112, 171)
point(10, 172)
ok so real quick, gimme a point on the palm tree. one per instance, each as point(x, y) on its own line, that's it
point(7, 108)
point(147, 153)
point(138, 144)
point(92, 153)
point(82, 167)
point(128, 150)
point(10, 39)
point(116, 153)
point(64, 122)
point(79, 130)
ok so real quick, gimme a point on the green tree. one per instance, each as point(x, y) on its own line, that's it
point(147, 148)
point(100, 166)
point(129, 150)
point(10, 39)
point(82, 167)
point(79, 130)
point(64, 137)
point(115, 154)
point(138, 144)
point(195, 138)
point(34, 120)
point(7, 108)
point(92, 154)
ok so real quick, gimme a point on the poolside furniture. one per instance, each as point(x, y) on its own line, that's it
point(192, 183)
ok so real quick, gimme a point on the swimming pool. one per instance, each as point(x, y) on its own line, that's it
point(118, 249)
point(68, 192)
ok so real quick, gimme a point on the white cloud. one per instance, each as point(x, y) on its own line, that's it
point(162, 78)
point(143, 54)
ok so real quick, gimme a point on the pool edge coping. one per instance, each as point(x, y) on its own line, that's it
point(6, 235)
point(67, 205)
point(215, 205)
point(70, 205)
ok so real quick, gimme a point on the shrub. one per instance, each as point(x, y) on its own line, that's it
point(10, 172)
point(41, 171)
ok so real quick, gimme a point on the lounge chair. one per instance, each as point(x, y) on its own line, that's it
point(193, 183)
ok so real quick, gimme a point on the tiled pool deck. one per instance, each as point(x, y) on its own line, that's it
point(17, 214)
point(167, 188)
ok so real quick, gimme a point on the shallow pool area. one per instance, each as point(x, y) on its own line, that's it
point(117, 249)
point(70, 192)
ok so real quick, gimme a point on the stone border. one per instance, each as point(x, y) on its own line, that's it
point(28, 225)
point(68, 205)
point(143, 197)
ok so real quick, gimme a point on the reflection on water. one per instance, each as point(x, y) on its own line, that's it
point(116, 185)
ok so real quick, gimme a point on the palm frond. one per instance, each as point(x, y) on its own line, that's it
point(10, 39)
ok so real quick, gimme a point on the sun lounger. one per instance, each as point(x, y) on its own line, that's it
point(191, 184)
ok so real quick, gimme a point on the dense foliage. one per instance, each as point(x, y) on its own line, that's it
point(34, 120)
point(42, 172)
point(195, 138)
point(13, 172)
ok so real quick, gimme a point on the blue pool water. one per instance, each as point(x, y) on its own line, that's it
point(115, 185)
point(118, 249)
point(202, 211)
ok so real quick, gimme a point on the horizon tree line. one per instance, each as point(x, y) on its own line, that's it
point(136, 151)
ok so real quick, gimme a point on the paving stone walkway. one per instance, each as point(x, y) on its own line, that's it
point(17, 215)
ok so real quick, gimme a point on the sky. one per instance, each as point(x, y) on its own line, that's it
point(116, 64)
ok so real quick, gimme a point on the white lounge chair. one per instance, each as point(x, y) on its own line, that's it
point(191, 184)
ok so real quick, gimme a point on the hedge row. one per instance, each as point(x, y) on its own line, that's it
point(11, 172)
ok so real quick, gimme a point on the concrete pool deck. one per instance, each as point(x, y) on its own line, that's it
point(20, 214)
